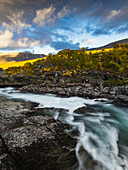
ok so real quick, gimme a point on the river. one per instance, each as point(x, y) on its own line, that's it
point(103, 133)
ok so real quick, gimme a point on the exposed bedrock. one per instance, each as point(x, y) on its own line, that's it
point(30, 140)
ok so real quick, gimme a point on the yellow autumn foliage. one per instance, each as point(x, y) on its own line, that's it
point(75, 72)
point(6, 65)
point(98, 51)
point(47, 69)
point(67, 74)
point(77, 67)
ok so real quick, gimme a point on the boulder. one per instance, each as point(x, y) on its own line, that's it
point(85, 110)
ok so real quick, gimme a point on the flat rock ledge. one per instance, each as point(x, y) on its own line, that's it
point(116, 93)
point(33, 141)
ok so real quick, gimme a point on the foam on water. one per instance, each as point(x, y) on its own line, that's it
point(48, 100)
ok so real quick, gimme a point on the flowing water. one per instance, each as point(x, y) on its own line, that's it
point(102, 135)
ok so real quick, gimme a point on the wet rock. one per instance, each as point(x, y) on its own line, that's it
point(84, 110)
point(105, 90)
point(123, 98)
point(30, 140)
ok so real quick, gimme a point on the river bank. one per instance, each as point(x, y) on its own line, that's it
point(87, 90)
point(31, 140)
point(91, 84)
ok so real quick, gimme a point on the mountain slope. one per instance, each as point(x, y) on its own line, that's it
point(16, 59)
point(21, 56)
point(110, 45)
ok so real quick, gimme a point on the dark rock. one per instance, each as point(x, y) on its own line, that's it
point(30, 140)
point(84, 110)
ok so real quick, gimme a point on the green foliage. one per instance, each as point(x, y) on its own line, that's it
point(113, 81)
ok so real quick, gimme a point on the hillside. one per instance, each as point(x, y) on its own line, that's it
point(71, 62)
point(6, 65)
point(110, 45)
point(109, 66)
point(10, 55)
point(16, 59)
point(19, 56)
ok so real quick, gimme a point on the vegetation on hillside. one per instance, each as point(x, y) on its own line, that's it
point(6, 65)
point(114, 61)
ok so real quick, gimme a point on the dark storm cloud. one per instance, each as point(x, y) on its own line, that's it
point(37, 20)
point(92, 8)
point(29, 7)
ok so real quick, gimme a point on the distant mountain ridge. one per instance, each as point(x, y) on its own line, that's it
point(110, 45)
point(21, 56)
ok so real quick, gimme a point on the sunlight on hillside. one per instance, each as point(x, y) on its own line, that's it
point(11, 54)
point(6, 65)
point(98, 51)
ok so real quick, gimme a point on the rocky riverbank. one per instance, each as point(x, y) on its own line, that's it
point(52, 77)
point(92, 84)
point(30, 140)
point(116, 93)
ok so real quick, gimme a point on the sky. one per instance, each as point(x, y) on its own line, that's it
point(47, 26)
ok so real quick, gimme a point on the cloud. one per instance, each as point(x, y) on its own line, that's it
point(7, 1)
point(49, 15)
point(97, 31)
point(30, 22)
point(25, 42)
point(89, 41)
point(101, 31)
point(122, 28)
point(107, 21)
point(44, 16)
point(7, 41)
point(59, 45)
point(63, 12)
point(121, 16)
point(15, 22)
point(113, 13)
point(12, 2)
